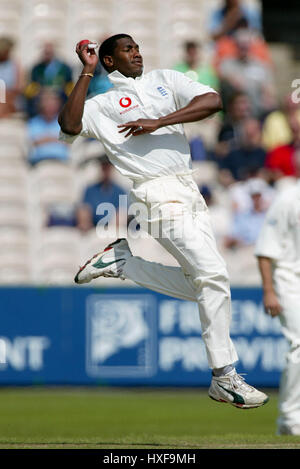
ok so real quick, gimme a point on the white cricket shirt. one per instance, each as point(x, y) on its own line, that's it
point(150, 96)
point(279, 238)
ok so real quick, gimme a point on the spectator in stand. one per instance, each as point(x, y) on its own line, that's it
point(239, 197)
point(61, 214)
point(280, 161)
point(43, 130)
point(197, 148)
point(104, 191)
point(49, 72)
point(12, 74)
point(231, 16)
point(226, 48)
point(193, 66)
point(249, 156)
point(226, 22)
point(229, 136)
point(248, 75)
point(197, 70)
point(100, 82)
point(276, 129)
point(246, 223)
point(220, 215)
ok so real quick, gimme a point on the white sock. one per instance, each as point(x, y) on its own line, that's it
point(222, 371)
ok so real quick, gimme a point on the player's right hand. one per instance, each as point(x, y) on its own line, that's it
point(271, 304)
point(88, 57)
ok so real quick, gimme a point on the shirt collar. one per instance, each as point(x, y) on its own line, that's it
point(118, 79)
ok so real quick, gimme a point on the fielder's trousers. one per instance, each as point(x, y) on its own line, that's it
point(173, 211)
point(287, 285)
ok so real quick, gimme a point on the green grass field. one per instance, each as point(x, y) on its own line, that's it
point(118, 419)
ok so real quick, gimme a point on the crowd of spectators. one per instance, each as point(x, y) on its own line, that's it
point(256, 138)
point(258, 135)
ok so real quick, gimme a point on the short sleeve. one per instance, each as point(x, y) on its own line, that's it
point(89, 112)
point(271, 240)
point(184, 88)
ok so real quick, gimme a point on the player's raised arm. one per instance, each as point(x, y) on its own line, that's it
point(71, 115)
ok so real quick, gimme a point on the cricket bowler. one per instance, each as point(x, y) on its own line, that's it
point(140, 124)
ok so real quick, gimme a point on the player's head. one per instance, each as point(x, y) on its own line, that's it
point(120, 52)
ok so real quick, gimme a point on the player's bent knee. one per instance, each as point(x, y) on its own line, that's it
point(217, 280)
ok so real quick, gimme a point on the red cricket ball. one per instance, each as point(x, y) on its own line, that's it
point(83, 42)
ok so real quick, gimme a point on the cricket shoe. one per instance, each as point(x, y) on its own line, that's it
point(233, 389)
point(107, 263)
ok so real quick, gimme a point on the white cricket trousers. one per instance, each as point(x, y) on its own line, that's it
point(175, 214)
point(288, 290)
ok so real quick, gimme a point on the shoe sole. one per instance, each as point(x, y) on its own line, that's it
point(240, 406)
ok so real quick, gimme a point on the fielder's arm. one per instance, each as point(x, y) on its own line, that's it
point(271, 303)
point(71, 114)
point(199, 108)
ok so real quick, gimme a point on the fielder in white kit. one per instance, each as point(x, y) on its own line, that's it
point(139, 122)
point(278, 253)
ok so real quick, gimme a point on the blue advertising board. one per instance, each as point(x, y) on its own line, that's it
point(126, 337)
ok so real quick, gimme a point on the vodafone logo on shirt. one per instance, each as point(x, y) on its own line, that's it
point(125, 102)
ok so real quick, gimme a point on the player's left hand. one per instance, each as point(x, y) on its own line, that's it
point(139, 127)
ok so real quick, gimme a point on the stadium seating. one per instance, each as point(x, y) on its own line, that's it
point(31, 252)
point(56, 255)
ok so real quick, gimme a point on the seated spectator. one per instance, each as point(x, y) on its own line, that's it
point(104, 191)
point(197, 147)
point(43, 131)
point(49, 72)
point(280, 161)
point(249, 156)
point(246, 224)
point(219, 213)
point(276, 130)
point(226, 48)
point(248, 75)
point(61, 214)
point(12, 75)
point(194, 68)
point(240, 192)
point(100, 82)
point(226, 20)
point(239, 109)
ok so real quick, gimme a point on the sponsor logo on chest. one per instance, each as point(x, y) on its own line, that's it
point(126, 104)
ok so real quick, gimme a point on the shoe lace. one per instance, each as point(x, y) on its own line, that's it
point(238, 381)
point(87, 262)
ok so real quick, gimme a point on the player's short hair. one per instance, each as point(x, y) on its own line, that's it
point(108, 46)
